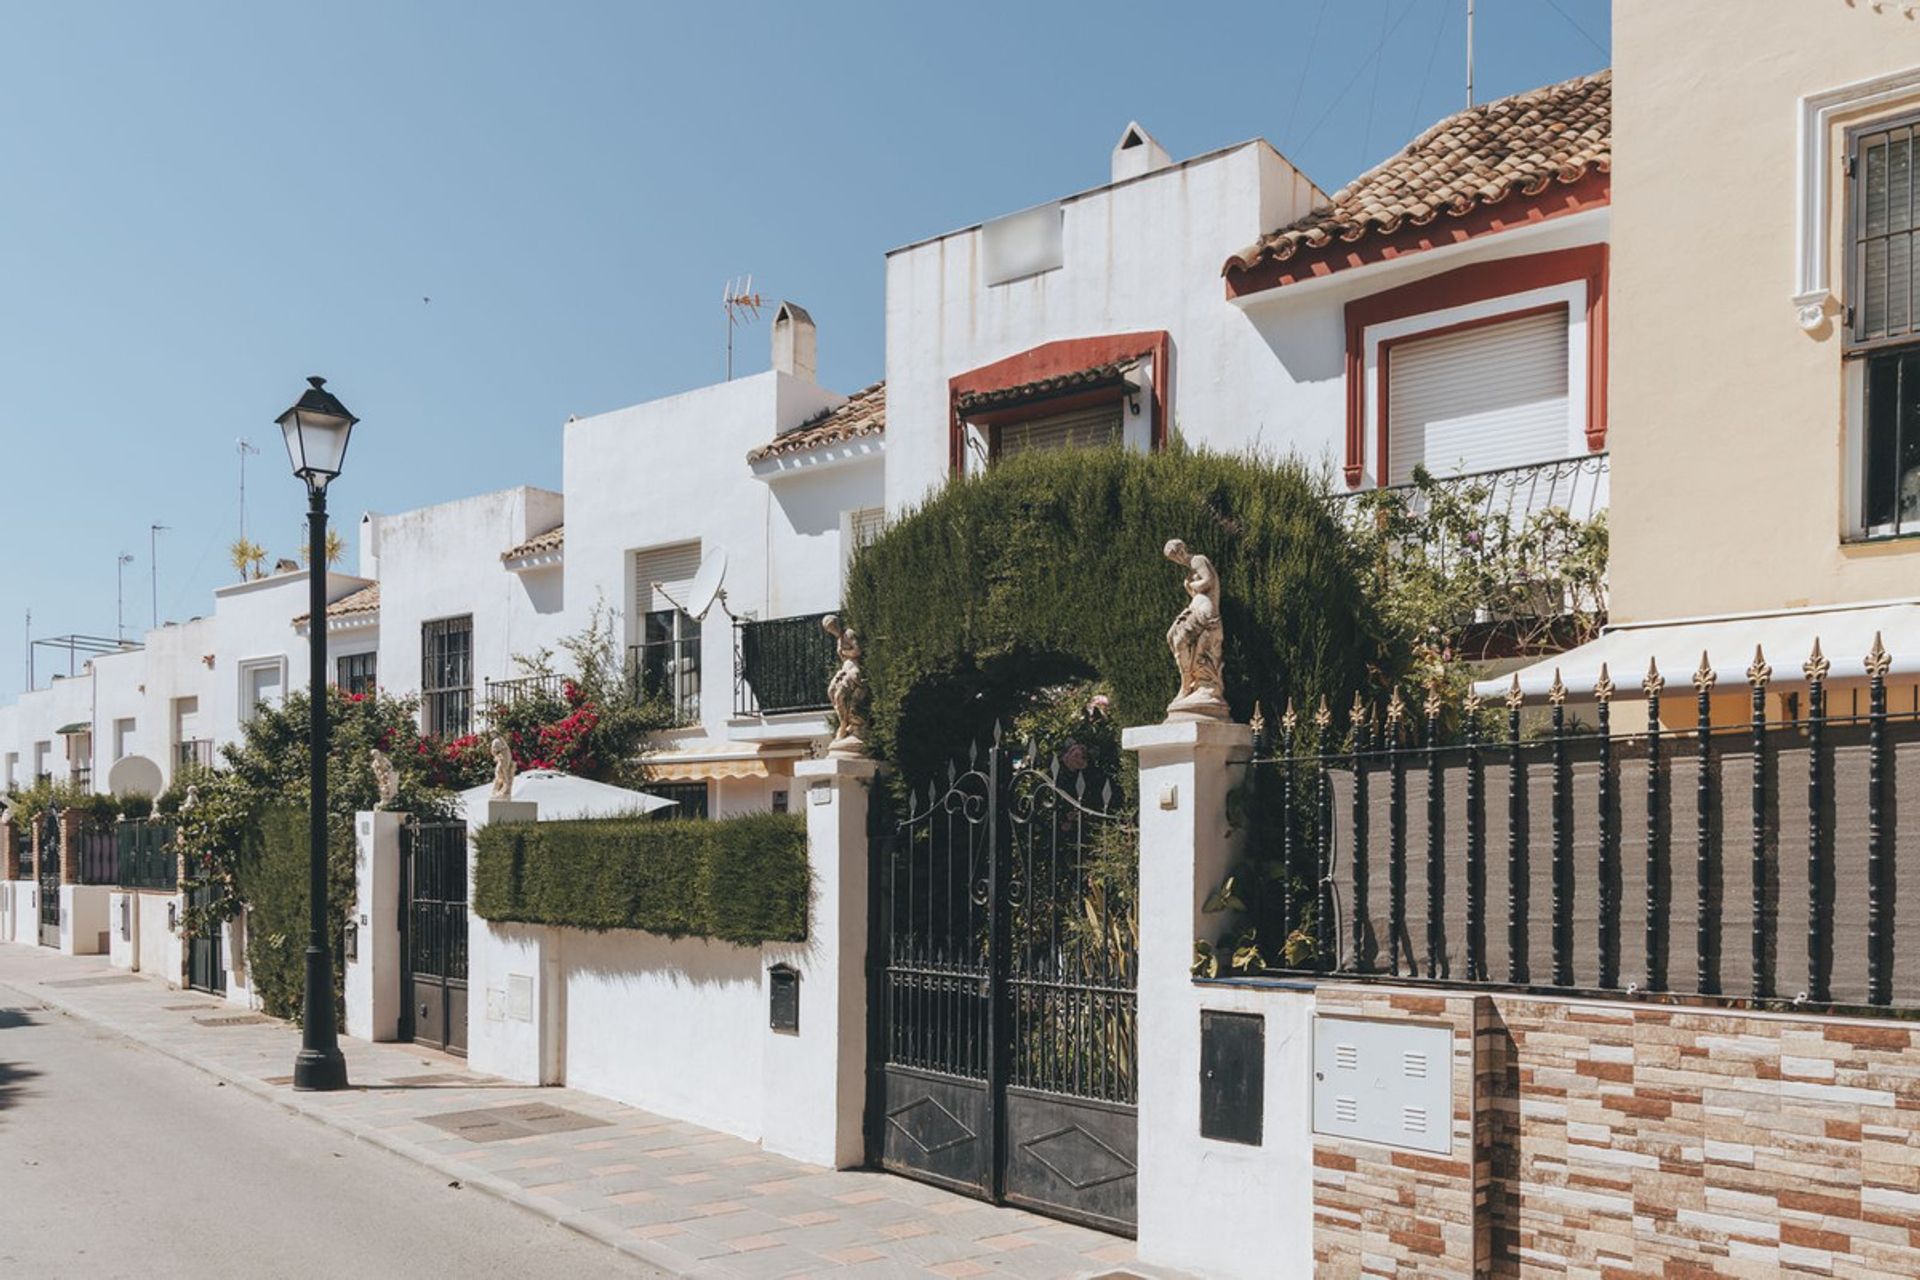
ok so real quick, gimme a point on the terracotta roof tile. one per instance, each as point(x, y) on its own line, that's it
point(1099, 375)
point(1478, 157)
point(864, 414)
point(351, 605)
point(540, 544)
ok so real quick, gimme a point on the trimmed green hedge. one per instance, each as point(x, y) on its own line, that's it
point(272, 874)
point(1048, 569)
point(741, 880)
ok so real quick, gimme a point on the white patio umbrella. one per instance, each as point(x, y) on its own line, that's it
point(561, 795)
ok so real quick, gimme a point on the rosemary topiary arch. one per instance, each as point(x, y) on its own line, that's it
point(1049, 568)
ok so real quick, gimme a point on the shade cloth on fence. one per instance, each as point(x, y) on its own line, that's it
point(562, 795)
point(1845, 633)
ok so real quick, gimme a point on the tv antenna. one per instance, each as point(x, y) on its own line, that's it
point(742, 306)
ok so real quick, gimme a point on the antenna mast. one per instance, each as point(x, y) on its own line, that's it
point(153, 563)
point(1469, 54)
point(120, 597)
point(742, 306)
point(243, 447)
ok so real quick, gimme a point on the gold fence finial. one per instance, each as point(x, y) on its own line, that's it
point(1557, 691)
point(1322, 717)
point(1396, 709)
point(1879, 661)
point(1435, 703)
point(1703, 677)
point(1470, 705)
point(1654, 682)
point(1816, 666)
point(1359, 713)
point(1514, 696)
point(1259, 721)
point(1759, 673)
point(1603, 687)
point(1289, 719)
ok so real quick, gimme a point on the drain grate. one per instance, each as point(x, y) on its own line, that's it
point(104, 980)
point(196, 1008)
point(234, 1020)
point(497, 1124)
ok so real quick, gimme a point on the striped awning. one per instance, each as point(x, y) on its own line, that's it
point(720, 760)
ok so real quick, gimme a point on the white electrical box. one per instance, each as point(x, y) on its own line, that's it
point(1389, 1082)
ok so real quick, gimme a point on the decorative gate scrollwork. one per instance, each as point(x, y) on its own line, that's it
point(1004, 1023)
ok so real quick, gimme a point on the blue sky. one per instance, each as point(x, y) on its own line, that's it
point(205, 202)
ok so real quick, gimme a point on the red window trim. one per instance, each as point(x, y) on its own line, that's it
point(1051, 360)
point(1463, 286)
point(1590, 192)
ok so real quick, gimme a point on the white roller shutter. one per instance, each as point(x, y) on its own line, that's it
point(672, 567)
point(1478, 399)
point(1081, 429)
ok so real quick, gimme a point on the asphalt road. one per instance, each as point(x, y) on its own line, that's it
point(118, 1161)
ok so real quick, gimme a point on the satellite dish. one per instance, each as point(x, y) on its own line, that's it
point(706, 583)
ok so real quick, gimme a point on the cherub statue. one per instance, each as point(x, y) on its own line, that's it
point(192, 799)
point(1196, 640)
point(385, 778)
point(847, 691)
point(502, 768)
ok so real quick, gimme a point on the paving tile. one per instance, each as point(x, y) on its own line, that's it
point(698, 1200)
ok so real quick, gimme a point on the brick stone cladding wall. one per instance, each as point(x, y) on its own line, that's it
point(1612, 1139)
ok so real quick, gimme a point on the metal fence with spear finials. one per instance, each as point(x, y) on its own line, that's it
point(1735, 850)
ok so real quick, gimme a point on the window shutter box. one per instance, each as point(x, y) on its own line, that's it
point(1478, 399)
point(673, 568)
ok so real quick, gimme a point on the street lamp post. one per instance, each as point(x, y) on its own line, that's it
point(317, 428)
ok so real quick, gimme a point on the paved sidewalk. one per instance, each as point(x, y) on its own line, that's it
point(682, 1198)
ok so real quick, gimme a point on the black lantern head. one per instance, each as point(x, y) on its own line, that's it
point(317, 429)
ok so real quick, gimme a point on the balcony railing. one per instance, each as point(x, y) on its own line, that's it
point(1533, 533)
point(548, 687)
point(668, 671)
point(781, 665)
point(194, 751)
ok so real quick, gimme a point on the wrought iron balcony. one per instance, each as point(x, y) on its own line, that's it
point(781, 665)
point(1531, 539)
point(667, 671)
point(194, 751)
point(546, 687)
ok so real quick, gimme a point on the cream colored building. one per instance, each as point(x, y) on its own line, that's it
point(1742, 436)
point(1765, 343)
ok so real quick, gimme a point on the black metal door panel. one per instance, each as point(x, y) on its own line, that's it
point(433, 913)
point(938, 1128)
point(1003, 1024)
point(49, 880)
point(206, 968)
point(1072, 1157)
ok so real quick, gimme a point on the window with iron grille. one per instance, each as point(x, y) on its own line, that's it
point(354, 672)
point(446, 676)
point(1883, 316)
point(666, 659)
point(689, 798)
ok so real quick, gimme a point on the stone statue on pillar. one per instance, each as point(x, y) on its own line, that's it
point(1196, 639)
point(502, 769)
point(848, 692)
point(385, 778)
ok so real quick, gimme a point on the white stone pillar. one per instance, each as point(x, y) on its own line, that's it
point(374, 961)
point(816, 1077)
point(516, 1012)
point(1213, 1207)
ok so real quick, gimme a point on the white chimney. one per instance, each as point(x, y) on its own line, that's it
point(1137, 153)
point(793, 342)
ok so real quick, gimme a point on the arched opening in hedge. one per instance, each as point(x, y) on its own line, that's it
point(1049, 569)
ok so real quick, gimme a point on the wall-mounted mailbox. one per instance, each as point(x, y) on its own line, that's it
point(353, 941)
point(1233, 1069)
point(783, 998)
point(1383, 1081)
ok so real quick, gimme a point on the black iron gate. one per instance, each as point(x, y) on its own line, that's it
point(433, 916)
point(206, 963)
point(49, 876)
point(1004, 1023)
